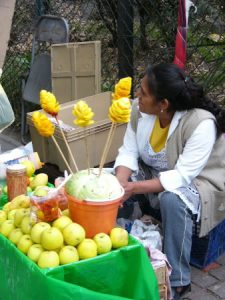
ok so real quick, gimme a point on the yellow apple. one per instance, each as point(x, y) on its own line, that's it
point(87, 249)
point(7, 207)
point(48, 259)
point(103, 242)
point(66, 212)
point(73, 234)
point(15, 235)
point(11, 214)
point(119, 237)
point(37, 230)
point(26, 224)
point(3, 216)
point(24, 243)
point(62, 222)
point(6, 227)
point(30, 168)
point(68, 254)
point(51, 238)
point(34, 252)
point(41, 191)
point(39, 179)
point(20, 214)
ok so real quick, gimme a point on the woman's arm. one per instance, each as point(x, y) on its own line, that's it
point(142, 187)
point(136, 187)
point(194, 157)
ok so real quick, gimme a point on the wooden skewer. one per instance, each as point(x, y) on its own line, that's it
point(67, 145)
point(60, 151)
point(107, 146)
point(87, 154)
point(110, 142)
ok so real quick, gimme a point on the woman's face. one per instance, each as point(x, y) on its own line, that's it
point(147, 102)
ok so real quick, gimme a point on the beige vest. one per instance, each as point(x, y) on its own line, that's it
point(211, 181)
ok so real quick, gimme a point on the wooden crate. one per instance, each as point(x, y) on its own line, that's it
point(163, 292)
point(160, 272)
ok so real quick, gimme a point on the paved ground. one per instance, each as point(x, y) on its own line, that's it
point(208, 285)
point(205, 285)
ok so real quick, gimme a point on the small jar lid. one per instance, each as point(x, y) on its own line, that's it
point(16, 168)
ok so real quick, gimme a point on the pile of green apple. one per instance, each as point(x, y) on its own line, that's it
point(57, 243)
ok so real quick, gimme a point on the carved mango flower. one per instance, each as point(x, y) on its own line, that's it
point(120, 110)
point(83, 114)
point(122, 88)
point(43, 125)
point(49, 103)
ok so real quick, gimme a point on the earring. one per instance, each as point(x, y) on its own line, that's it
point(161, 110)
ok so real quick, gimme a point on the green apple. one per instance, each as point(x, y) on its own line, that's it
point(62, 222)
point(24, 243)
point(34, 252)
point(48, 259)
point(20, 214)
point(37, 230)
point(87, 249)
point(30, 168)
point(15, 235)
point(26, 224)
point(29, 189)
point(66, 212)
point(73, 234)
point(3, 216)
point(11, 214)
point(5, 189)
point(119, 237)
point(6, 227)
point(68, 254)
point(51, 238)
point(40, 192)
point(103, 242)
point(39, 179)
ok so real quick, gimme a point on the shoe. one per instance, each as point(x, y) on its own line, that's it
point(182, 291)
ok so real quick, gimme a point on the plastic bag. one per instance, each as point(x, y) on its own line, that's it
point(45, 208)
point(148, 235)
point(63, 201)
point(6, 112)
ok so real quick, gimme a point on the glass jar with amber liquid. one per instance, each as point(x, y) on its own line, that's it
point(16, 179)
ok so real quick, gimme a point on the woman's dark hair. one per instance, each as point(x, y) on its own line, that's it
point(168, 81)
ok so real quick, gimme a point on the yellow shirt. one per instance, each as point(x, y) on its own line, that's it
point(158, 137)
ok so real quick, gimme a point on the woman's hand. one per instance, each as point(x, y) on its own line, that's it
point(128, 190)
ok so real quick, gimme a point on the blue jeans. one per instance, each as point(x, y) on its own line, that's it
point(177, 226)
point(177, 231)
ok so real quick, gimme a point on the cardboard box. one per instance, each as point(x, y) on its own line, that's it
point(160, 271)
point(96, 135)
point(76, 70)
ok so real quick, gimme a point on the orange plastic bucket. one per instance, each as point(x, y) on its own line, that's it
point(95, 217)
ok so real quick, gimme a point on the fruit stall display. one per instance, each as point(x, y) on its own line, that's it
point(49, 251)
point(61, 261)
